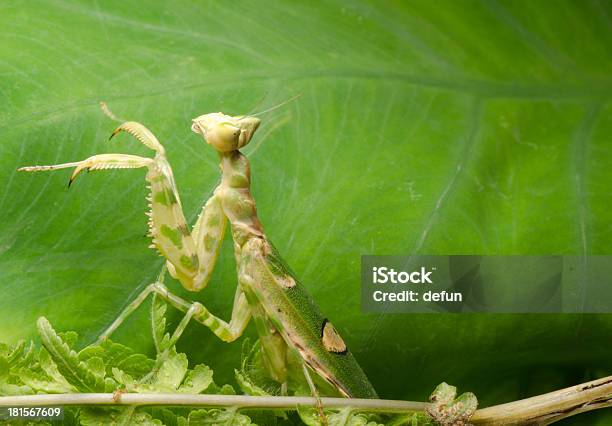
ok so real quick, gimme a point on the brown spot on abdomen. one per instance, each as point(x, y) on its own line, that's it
point(331, 340)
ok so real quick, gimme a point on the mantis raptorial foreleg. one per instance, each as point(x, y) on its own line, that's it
point(191, 256)
point(96, 162)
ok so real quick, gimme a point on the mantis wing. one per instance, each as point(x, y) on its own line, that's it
point(296, 316)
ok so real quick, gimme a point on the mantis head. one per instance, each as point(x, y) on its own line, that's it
point(224, 132)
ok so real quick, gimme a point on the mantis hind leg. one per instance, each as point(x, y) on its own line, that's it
point(315, 394)
point(274, 349)
point(274, 352)
point(277, 358)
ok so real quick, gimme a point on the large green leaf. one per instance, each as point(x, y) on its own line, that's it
point(423, 127)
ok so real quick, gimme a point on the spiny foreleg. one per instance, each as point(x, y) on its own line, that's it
point(191, 256)
point(96, 162)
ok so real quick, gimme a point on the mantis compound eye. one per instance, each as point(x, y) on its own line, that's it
point(248, 125)
point(223, 137)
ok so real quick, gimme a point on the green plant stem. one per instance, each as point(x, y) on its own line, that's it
point(238, 401)
point(542, 409)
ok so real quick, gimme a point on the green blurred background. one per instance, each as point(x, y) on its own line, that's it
point(456, 127)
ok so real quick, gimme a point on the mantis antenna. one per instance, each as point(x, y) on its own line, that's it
point(275, 126)
point(107, 111)
point(275, 106)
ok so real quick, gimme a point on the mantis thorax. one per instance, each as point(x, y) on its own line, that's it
point(236, 199)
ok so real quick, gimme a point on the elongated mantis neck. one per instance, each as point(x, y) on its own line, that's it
point(238, 202)
point(233, 165)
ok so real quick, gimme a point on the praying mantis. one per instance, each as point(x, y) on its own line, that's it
point(293, 333)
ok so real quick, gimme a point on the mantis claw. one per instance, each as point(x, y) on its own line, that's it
point(76, 171)
point(141, 133)
point(115, 132)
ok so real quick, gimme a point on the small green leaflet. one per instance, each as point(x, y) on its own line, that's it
point(123, 416)
point(115, 355)
point(76, 372)
point(158, 324)
point(344, 417)
point(229, 417)
point(252, 377)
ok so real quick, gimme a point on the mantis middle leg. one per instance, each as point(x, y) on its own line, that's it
point(228, 332)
